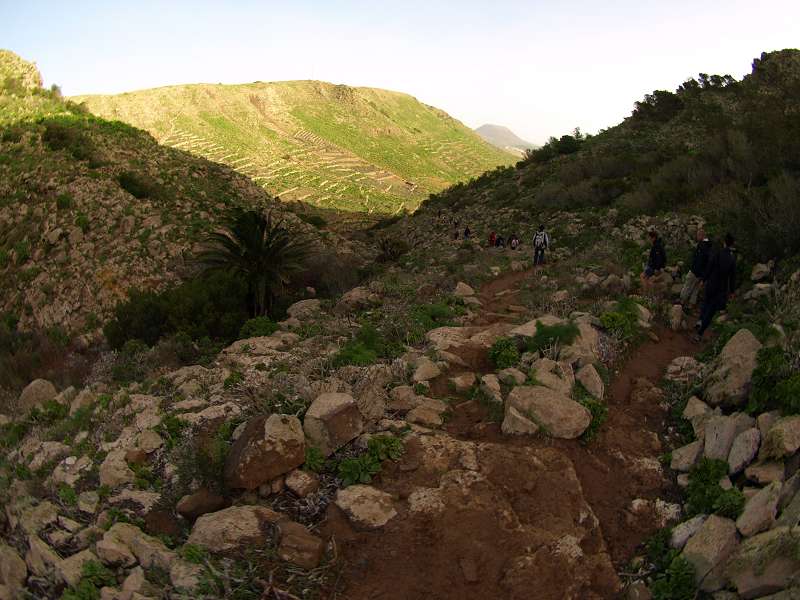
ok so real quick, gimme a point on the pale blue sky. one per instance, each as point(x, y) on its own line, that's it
point(538, 67)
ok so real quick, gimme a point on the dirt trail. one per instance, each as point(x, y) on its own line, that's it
point(414, 558)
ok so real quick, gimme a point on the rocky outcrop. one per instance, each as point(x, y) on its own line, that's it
point(366, 507)
point(268, 447)
point(766, 563)
point(732, 372)
point(555, 414)
point(331, 421)
point(708, 552)
point(235, 527)
point(36, 394)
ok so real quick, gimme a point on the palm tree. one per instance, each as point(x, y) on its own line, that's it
point(260, 250)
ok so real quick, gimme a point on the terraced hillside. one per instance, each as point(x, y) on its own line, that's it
point(332, 146)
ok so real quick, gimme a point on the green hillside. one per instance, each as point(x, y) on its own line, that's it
point(332, 146)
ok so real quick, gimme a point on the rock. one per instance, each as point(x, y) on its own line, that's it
point(554, 413)
point(490, 387)
point(760, 510)
point(331, 421)
point(766, 420)
point(590, 379)
point(529, 329)
point(302, 483)
point(463, 290)
point(83, 400)
point(685, 457)
point(676, 317)
point(268, 447)
point(234, 527)
point(300, 547)
point(684, 369)
point(403, 398)
point(511, 376)
point(783, 438)
point(426, 370)
point(744, 450)
point(732, 371)
point(560, 296)
point(35, 394)
point(789, 490)
point(88, 502)
point(70, 570)
point(515, 423)
point(463, 383)
point(765, 563)
point(13, 571)
point(720, 433)
point(203, 501)
point(185, 576)
point(760, 272)
point(681, 533)
point(41, 558)
point(114, 471)
point(114, 553)
point(356, 299)
point(765, 472)
point(556, 376)
point(708, 551)
point(304, 309)
point(638, 591)
point(365, 506)
point(148, 441)
point(428, 414)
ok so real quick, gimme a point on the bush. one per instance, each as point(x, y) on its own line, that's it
point(561, 334)
point(623, 322)
point(366, 348)
point(504, 353)
point(676, 583)
point(596, 407)
point(391, 249)
point(257, 327)
point(363, 468)
point(131, 362)
point(774, 385)
point(63, 201)
point(67, 135)
point(704, 495)
point(139, 185)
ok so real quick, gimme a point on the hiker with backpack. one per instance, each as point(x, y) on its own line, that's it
point(541, 242)
point(657, 259)
point(694, 278)
point(720, 282)
point(513, 241)
point(492, 239)
point(500, 242)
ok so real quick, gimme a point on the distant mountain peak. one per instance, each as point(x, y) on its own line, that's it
point(503, 137)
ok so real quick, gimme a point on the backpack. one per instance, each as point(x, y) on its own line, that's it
point(540, 239)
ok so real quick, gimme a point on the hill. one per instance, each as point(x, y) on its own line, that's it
point(90, 208)
point(726, 148)
point(332, 146)
point(504, 138)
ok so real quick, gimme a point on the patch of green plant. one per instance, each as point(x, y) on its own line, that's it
point(193, 553)
point(211, 456)
point(385, 447)
point(366, 348)
point(774, 385)
point(730, 503)
point(257, 327)
point(424, 317)
point(504, 353)
point(232, 380)
point(623, 322)
point(66, 429)
point(597, 408)
point(677, 582)
point(705, 495)
point(170, 428)
point(63, 201)
point(50, 412)
point(546, 336)
point(658, 550)
point(315, 460)
point(360, 469)
point(67, 495)
point(94, 575)
point(495, 410)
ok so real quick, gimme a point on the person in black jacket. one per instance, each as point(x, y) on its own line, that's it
point(657, 259)
point(694, 278)
point(720, 282)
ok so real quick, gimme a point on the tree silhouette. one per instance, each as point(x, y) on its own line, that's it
point(263, 252)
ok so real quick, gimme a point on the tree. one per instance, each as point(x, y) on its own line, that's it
point(263, 252)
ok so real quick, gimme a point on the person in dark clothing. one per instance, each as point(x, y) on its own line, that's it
point(694, 278)
point(492, 239)
point(720, 282)
point(500, 242)
point(467, 232)
point(657, 259)
point(541, 242)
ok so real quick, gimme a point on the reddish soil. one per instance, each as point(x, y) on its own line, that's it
point(462, 554)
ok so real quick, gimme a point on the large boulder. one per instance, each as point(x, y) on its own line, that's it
point(331, 421)
point(554, 413)
point(743, 450)
point(114, 470)
point(760, 510)
point(765, 563)
point(708, 551)
point(720, 433)
point(732, 371)
point(365, 506)
point(35, 394)
point(235, 527)
point(13, 571)
point(783, 438)
point(588, 376)
point(356, 299)
point(199, 503)
point(304, 309)
point(267, 448)
point(146, 549)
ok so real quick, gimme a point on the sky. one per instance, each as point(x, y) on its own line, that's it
point(540, 68)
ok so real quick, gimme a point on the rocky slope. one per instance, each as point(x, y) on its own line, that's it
point(361, 150)
point(91, 208)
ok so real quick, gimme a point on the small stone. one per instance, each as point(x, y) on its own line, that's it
point(685, 457)
point(299, 546)
point(681, 533)
point(760, 510)
point(365, 506)
point(302, 483)
point(463, 383)
point(743, 450)
point(720, 433)
point(331, 421)
point(199, 503)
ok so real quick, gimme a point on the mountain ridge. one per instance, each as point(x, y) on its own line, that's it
point(502, 137)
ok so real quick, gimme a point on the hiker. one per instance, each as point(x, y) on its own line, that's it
point(492, 239)
point(500, 242)
point(541, 242)
point(720, 282)
point(694, 278)
point(513, 241)
point(657, 259)
point(467, 232)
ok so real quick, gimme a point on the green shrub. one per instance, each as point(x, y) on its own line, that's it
point(596, 407)
point(391, 249)
point(561, 334)
point(193, 553)
point(623, 322)
point(504, 353)
point(315, 460)
point(63, 134)
point(362, 469)
point(424, 317)
point(257, 327)
point(67, 495)
point(171, 428)
point(131, 362)
point(704, 495)
point(676, 583)
point(658, 550)
point(774, 385)
point(139, 185)
point(63, 201)
point(385, 447)
point(94, 576)
point(365, 348)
